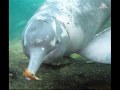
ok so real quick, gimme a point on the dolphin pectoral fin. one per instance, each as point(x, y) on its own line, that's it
point(99, 49)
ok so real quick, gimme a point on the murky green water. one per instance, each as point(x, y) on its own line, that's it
point(20, 12)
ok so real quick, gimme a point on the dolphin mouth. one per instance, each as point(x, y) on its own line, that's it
point(34, 64)
point(36, 58)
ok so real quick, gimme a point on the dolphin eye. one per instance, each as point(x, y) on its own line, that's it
point(57, 41)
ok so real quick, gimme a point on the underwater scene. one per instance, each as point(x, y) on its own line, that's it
point(73, 72)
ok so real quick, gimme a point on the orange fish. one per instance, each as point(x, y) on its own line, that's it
point(29, 75)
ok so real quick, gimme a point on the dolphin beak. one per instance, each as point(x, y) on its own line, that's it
point(36, 58)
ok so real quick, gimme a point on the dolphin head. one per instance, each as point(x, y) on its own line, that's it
point(43, 40)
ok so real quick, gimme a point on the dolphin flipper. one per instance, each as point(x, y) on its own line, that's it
point(99, 49)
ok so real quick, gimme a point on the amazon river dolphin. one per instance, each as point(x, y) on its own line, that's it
point(63, 27)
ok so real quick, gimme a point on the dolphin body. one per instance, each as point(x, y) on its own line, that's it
point(62, 27)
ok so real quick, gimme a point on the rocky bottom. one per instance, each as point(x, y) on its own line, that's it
point(77, 73)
